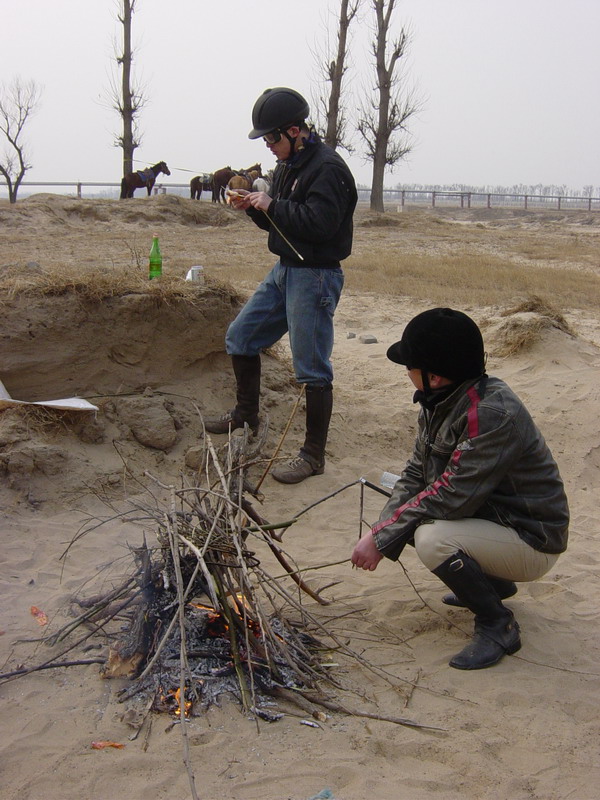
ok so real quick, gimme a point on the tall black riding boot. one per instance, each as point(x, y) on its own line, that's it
point(504, 588)
point(496, 631)
point(311, 458)
point(247, 375)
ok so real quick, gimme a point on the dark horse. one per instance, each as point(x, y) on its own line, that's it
point(143, 177)
point(220, 179)
point(199, 184)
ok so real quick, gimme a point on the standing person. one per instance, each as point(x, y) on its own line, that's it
point(481, 498)
point(308, 214)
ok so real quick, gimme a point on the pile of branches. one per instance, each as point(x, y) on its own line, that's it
point(208, 613)
point(202, 615)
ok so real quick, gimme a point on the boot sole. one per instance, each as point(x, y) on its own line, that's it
point(289, 478)
point(511, 650)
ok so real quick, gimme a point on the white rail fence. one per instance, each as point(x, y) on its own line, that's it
point(399, 197)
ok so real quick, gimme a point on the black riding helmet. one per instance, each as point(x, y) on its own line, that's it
point(277, 108)
point(442, 341)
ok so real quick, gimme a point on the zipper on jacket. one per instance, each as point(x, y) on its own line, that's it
point(427, 437)
point(285, 179)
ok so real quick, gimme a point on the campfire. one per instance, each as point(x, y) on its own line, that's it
point(205, 618)
point(199, 617)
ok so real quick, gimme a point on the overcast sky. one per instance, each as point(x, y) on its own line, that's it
point(510, 89)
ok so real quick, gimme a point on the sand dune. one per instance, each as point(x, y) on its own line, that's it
point(525, 729)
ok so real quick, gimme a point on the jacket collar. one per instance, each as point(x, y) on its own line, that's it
point(306, 151)
point(447, 396)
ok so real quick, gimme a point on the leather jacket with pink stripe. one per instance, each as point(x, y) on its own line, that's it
point(478, 453)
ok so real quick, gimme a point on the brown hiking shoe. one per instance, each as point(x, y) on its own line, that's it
point(229, 421)
point(296, 470)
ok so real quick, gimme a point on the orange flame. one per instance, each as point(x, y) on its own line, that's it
point(171, 701)
point(187, 704)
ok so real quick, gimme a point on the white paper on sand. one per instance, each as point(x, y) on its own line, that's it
point(66, 404)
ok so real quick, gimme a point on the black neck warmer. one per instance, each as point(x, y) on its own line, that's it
point(430, 399)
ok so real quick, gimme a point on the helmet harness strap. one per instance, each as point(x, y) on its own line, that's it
point(291, 139)
point(426, 384)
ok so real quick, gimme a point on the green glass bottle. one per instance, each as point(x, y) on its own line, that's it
point(155, 270)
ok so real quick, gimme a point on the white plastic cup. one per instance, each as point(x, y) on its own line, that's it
point(195, 274)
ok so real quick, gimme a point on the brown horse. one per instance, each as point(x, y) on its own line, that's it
point(244, 178)
point(220, 180)
point(143, 177)
point(241, 181)
point(254, 168)
point(199, 184)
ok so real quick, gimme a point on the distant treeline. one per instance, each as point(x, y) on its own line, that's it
point(532, 190)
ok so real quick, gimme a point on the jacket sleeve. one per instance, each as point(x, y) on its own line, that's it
point(323, 208)
point(409, 484)
point(476, 466)
point(259, 218)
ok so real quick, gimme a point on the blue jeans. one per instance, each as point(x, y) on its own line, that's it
point(297, 300)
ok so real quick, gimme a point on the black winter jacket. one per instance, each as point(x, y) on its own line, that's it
point(314, 199)
point(478, 454)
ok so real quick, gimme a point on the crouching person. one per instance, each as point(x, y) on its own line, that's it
point(481, 498)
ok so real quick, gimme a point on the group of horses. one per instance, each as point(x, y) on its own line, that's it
point(251, 179)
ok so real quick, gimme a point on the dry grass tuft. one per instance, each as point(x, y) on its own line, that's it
point(536, 305)
point(96, 285)
point(379, 221)
point(523, 325)
point(466, 278)
point(518, 334)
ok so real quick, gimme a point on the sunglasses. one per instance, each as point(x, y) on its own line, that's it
point(273, 137)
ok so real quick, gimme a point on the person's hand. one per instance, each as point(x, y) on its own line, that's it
point(238, 198)
point(366, 555)
point(260, 200)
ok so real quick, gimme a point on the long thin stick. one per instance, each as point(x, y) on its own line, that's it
point(184, 670)
point(280, 232)
point(294, 574)
point(51, 661)
point(53, 665)
point(357, 713)
point(283, 435)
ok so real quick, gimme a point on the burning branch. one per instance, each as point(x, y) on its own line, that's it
point(184, 668)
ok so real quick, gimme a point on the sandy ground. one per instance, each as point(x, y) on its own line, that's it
point(527, 729)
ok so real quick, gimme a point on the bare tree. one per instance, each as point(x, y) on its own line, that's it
point(127, 99)
point(384, 117)
point(18, 101)
point(331, 115)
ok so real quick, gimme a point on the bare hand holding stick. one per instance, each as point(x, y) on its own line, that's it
point(242, 199)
